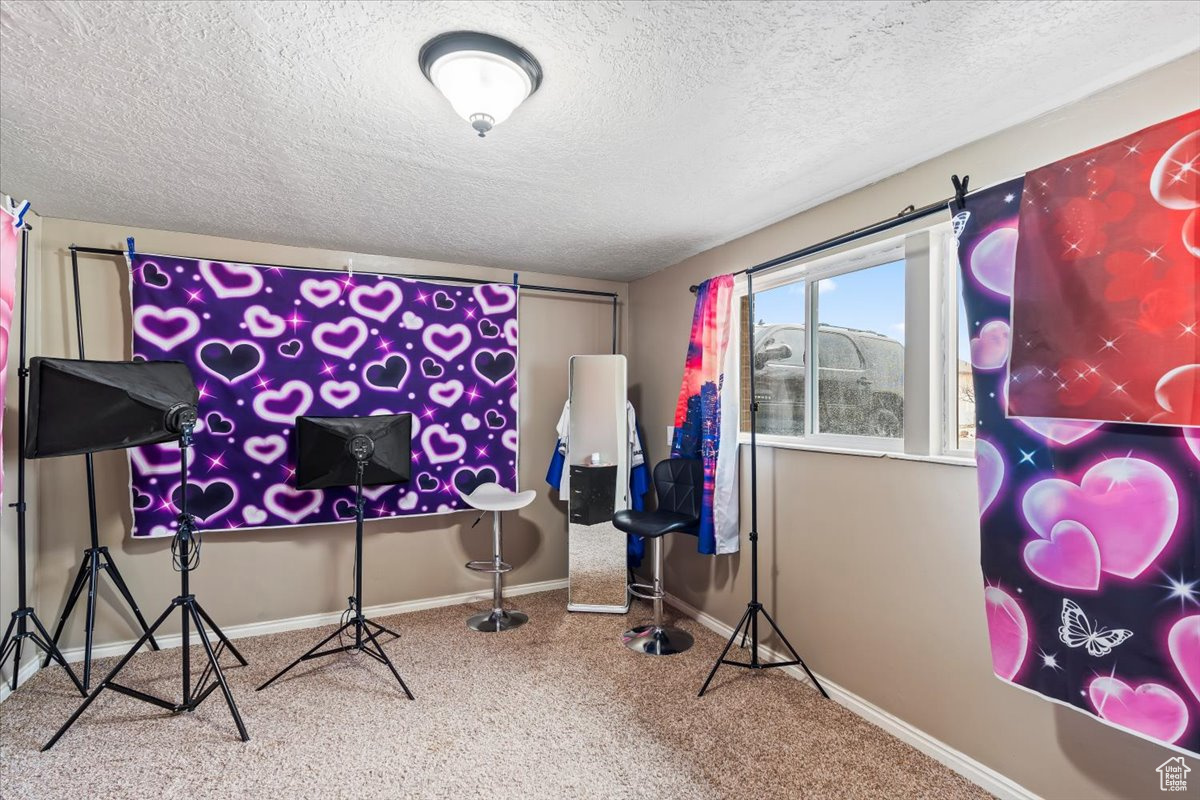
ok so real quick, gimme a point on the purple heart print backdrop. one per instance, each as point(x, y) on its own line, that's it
point(1090, 531)
point(267, 345)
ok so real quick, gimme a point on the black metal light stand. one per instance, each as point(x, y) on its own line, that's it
point(96, 559)
point(748, 625)
point(190, 612)
point(365, 630)
point(18, 629)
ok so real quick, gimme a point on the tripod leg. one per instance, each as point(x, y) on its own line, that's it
point(4, 651)
point(387, 661)
point(388, 631)
point(199, 692)
point(123, 588)
point(108, 678)
point(8, 632)
point(216, 669)
point(725, 652)
point(89, 631)
point(7, 642)
point(8, 646)
point(213, 626)
point(39, 642)
point(72, 598)
point(52, 651)
point(17, 660)
point(796, 655)
point(314, 649)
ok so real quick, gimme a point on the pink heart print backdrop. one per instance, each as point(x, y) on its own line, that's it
point(267, 345)
point(1090, 531)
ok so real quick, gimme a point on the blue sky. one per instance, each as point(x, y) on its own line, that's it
point(870, 299)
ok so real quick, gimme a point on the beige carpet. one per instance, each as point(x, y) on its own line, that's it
point(556, 709)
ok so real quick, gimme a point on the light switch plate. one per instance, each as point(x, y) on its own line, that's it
point(670, 435)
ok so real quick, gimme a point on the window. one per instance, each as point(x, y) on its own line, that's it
point(779, 361)
point(860, 352)
point(883, 352)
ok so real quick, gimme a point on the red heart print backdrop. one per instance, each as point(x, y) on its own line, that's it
point(267, 345)
point(1106, 285)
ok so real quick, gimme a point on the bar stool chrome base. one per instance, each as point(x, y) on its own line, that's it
point(495, 498)
point(657, 640)
point(493, 622)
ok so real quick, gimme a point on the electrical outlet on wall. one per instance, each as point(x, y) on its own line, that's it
point(670, 435)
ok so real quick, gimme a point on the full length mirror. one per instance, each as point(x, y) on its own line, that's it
point(598, 462)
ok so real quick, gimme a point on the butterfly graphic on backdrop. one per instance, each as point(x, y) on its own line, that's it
point(959, 222)
point(1078, 631)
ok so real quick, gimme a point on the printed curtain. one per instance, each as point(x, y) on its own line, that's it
point(267, 345)
point(1106, 290)
point(706, 415)
point(1090, 530)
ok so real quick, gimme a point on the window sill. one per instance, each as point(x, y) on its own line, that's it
point(784, 444)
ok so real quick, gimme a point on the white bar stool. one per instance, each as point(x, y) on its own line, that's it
point(495, 498)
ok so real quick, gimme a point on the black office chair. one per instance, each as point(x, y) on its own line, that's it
point(678, 482)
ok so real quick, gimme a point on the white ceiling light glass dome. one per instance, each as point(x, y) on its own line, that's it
point(484, 77)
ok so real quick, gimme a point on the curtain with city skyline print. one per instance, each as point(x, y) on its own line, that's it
point(706, 416)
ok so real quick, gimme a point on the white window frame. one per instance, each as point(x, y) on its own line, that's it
point(928, 283)
point(949, 343)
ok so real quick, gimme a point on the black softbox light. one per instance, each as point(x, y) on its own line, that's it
point(325, 458)
point(86, 406)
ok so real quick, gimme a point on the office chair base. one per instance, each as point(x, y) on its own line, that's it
point(657, 640)
point(493, 622)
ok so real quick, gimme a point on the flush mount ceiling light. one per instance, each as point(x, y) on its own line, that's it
point(484, 77)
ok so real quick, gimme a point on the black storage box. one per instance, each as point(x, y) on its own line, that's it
point(593, 493)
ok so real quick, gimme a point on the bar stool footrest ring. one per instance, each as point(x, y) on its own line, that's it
point(645, 591)
point(489, 567)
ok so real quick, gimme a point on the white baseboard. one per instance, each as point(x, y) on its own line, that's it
point(75, 654)
point(28, 671)
point(974, 771)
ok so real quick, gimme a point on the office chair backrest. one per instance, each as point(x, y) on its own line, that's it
point(679, 483)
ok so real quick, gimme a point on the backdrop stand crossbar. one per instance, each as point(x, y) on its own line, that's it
point(24, 623)
point(107, 251)
point(908, 215)
point(534, 287)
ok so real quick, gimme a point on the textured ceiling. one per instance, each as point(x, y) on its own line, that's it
point(662, 129)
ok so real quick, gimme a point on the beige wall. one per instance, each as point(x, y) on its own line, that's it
point(253, 576)
point(872, 566)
